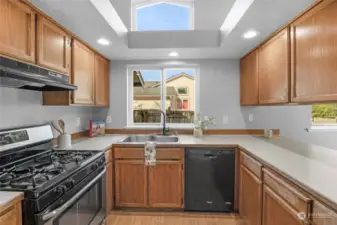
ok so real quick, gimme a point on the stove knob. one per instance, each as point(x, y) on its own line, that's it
point(100, 162)
point(60, 189)
point(70, 184)
point(94, 166)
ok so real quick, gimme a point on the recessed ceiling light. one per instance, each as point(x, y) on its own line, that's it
point(250, 34)
point(173, 54)
point(103, 41)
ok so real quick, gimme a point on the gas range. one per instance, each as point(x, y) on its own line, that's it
point(49, 178)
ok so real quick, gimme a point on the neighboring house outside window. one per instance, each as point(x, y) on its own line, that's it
point(182, 90)
point(147, 100)
point(185, 104)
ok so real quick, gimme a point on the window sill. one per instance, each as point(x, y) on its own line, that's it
point(159, 126)
point(322, 127)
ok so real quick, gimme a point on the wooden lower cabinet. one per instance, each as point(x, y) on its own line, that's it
point(131, 183)
point(12, 215)
point(276, 211)
point(109, 187)
point(166, 184)
point(250, 201)
point(322, 215)
point(140, 186)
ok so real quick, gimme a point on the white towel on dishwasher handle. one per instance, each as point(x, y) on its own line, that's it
point(150, 153)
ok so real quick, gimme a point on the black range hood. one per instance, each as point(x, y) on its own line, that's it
point(20, 75)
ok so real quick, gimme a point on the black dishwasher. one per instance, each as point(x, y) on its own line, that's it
point(209, 179)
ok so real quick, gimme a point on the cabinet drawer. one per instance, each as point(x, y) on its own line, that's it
point(322, 215)
point(129, 153)
point(9, 217)
point(254, 166)
point(138, 153)
point(290, 194)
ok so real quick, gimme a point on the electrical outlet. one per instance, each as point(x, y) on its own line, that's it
point(225, 119)
point(251, 117)
point(206, 117)
point(78, 121)
point(108, 120)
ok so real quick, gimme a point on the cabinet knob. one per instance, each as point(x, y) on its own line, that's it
point(301, 216)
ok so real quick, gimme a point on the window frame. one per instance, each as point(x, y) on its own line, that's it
point(163, 67)
point(315, 127)
point(145, 3)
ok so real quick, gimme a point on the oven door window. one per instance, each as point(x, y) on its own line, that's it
point(85, 210)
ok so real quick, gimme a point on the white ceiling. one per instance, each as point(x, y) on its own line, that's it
point(266, 16)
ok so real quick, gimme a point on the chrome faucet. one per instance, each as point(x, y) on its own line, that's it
point(164, 122)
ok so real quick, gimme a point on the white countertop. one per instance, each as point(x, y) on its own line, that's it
point(6, 197)
point(310, 165)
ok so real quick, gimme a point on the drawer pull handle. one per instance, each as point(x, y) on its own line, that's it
point(301, 216)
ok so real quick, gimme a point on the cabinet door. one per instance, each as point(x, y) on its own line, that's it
point(83, 74)
point(314, 55)
point(276, 211)
point(274, 69)
point(249, 88)
point(102, 73)
point(11, 216)
point(109, 187)
point(250, 197)
point(17, 33)
point(53, 46)
point(166, 184)
point(131, 183)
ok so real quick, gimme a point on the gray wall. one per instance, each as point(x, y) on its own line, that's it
point(219, 96)
point(219, 91)
point(292, 121)
point(23, 107)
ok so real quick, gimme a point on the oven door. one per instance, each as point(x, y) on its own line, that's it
point(85, 205)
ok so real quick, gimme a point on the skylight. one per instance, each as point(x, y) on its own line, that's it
point(159, 15)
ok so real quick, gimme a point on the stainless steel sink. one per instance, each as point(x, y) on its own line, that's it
point(141, 139)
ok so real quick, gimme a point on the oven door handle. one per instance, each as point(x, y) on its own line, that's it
point(71, 201)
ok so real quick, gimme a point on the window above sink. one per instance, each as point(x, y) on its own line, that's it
point(148, 95)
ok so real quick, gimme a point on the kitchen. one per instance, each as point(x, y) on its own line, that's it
point(255, 78)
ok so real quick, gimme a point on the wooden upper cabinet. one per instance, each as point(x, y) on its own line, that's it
point(53, 46)
point(250, 205)
point(314, 54)
point(83, 74)
point(102, 73)
point(17, 30)
point(249, 88)
point(166, 185)
point(274, 69)
point(130, 183)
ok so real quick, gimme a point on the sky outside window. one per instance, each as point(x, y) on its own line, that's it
point(163, 16)
point(152, 75)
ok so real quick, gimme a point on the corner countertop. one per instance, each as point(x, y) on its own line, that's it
point(311, 166)
point(7, 199)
